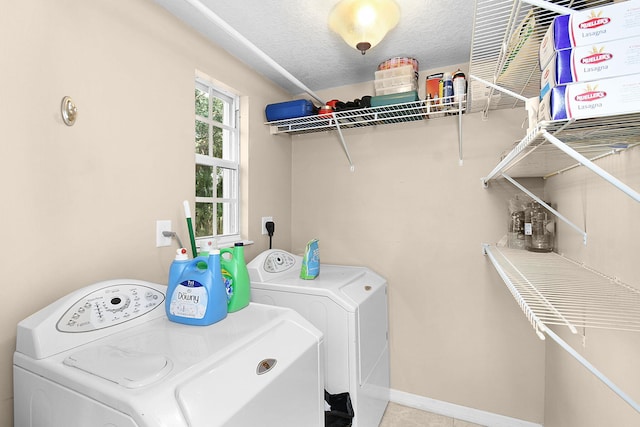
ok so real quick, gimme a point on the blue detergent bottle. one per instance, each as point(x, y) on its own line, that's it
point(196, 294)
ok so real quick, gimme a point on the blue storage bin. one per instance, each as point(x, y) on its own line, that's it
point(289, 110)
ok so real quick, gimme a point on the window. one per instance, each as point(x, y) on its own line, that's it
point(217, 161)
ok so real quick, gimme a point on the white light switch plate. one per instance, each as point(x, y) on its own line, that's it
point(162, 225)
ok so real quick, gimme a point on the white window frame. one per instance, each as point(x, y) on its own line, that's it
point(231, 146)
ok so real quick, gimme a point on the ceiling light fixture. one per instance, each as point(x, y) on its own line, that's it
point(364, 23)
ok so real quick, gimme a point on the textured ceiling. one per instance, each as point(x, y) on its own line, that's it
point(295, 34)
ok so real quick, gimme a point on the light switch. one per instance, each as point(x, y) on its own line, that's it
point(162, 225)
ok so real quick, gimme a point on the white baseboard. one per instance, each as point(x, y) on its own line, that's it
point(456, 411)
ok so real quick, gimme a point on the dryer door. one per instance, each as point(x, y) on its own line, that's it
point(372, 326)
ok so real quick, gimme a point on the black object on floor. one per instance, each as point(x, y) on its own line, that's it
point(341, 413)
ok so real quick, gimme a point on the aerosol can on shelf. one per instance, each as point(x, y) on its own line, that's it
point(196, 293)
point(459, 87)
point(447, 90)
point(236, 277)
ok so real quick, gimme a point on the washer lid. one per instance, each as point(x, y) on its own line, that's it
point(267, 379)
point(130, 369)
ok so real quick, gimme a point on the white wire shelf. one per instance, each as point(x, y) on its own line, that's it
point(348, 119)
point(504, 51)
point(593, 138)
point(554, 290)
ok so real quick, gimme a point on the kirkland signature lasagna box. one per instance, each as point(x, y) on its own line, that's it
point(617, 95)
point(592, 62)
point(596, 25)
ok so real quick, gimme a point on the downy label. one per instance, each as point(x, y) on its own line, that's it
point(189, 300)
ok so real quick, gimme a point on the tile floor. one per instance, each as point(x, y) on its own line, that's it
point(402, 416)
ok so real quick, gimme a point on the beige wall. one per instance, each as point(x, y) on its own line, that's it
point(79, 204)
point(573, 395)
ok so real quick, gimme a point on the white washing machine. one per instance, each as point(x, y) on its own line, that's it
point(349, 305)
point(106, 355)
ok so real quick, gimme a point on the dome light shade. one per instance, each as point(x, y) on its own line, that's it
point(364, 23)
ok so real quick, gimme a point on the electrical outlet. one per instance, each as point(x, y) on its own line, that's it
point(162, 225)
point(265, 219)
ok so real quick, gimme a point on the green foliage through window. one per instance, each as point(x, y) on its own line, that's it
point(217, 164)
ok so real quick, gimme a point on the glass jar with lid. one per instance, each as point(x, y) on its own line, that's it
point(542, 229)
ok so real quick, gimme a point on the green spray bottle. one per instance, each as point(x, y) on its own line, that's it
point(236, 277)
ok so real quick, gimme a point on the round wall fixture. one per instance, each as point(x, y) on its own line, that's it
point(69, 111)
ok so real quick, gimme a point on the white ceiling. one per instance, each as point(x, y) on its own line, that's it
point(295, 34)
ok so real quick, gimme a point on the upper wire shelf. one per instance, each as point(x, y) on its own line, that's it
point(371, 116)
point(504, 50)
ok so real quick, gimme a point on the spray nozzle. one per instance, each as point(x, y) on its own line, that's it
point(181, 254)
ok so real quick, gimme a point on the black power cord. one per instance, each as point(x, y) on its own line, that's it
point(271, 228)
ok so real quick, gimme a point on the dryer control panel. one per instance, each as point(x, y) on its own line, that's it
point(278, 261)
point(109, 306)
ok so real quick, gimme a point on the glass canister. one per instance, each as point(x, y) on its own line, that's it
point(527, 224)
point(542, 229)
point(516, 230)
point(516, 224)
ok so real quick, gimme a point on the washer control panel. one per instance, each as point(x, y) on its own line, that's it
point(278, 261)
point(110, 306)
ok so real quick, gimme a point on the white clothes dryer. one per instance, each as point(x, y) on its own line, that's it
point(349, 305)
point(106, 355)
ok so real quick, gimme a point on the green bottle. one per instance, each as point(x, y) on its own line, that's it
point(236, 277)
